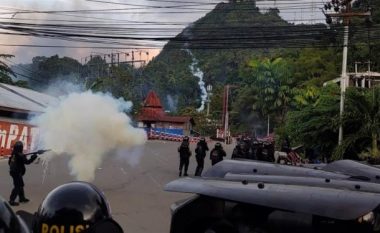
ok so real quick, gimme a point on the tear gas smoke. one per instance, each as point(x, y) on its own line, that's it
point(87, 126)
point(63, 85)
point(198, 73)
point(172, 102)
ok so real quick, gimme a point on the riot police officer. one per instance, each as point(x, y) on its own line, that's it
point(17, 170)
point(217, 153)
point(241, 151)
point(75, 207)
point(200, 154)
point(184, 156)
point(9, 221)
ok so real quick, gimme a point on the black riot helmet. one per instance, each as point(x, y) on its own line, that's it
point(218, 145)
point(18, 147)
point(242, 144)
point(9, 221)
point(185, 139)
point(72, 207)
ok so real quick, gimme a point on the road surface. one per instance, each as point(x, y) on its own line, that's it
point(135, 192)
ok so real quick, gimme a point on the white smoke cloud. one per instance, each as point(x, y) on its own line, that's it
point(62, 87)
point(172, 102)
point(199, 74)
point(87, 126)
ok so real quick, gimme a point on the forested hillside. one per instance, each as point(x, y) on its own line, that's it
point(223, 42)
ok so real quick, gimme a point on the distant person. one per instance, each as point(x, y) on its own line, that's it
point(17, 170)
point(217, 154)
point(184, 156)
point(285, 146)
point(200, 154)
point(241, 151)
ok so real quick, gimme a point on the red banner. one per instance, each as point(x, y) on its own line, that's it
point(12, 132)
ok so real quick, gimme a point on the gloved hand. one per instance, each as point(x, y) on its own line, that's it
point(34, 156)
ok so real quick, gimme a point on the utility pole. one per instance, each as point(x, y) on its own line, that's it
point(342, 10)
point(209, 93)
point(133, 58)
point(225, 112)
point(225, 117)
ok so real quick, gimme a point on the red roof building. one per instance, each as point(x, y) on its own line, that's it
point(153, 116)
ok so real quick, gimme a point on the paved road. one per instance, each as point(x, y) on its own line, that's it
point(135, 193)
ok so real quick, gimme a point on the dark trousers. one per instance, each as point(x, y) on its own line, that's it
point(183, 162)
point(200, 164)
point(18, 189)
point(213, 162)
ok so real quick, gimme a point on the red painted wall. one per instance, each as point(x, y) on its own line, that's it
point(11, 132)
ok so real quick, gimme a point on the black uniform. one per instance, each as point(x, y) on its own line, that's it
point(184, 155)
point(200, 154)
point(285, 146)
point(241, 151)
point(17, 163)
point(217, 154)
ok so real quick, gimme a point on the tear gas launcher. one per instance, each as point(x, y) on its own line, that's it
point(39, 152)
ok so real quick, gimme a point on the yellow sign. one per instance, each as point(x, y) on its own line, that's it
point(45, 228)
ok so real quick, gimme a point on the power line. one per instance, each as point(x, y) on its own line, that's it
point(149, 34)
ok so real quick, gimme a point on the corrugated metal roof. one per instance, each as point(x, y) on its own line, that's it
point(14, 98)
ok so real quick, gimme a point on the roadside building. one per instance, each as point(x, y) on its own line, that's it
point(17, 106)
point(153, 118)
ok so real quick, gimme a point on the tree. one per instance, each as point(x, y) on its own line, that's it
point(5, 71)
point(202, 124)
point(273, 84)
point(243, 114)
point(306, 96)
point(312, 66)
point(316, 123)
point(95, 68)
point(46, 71)
point(361, 122)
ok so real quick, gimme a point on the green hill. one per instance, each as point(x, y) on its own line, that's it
point(222, 42)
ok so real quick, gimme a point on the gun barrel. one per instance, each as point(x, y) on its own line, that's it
point(38, 152)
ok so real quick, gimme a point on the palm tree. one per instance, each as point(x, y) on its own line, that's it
point(314, 122)
point(5, 71)
point(361, 120)
point(273, 83)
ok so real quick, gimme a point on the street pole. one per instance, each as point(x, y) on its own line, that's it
point(208, 106)
point(343, 9)
point(268, 126)
point(343, 82)
point(208, 89)
point(226, 116)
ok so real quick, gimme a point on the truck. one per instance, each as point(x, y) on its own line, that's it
point(258, 197)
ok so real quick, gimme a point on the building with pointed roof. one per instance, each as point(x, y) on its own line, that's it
point(153, 117)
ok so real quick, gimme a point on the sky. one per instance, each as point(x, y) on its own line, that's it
point(140, 18)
